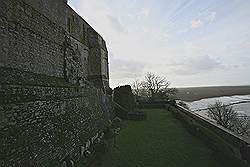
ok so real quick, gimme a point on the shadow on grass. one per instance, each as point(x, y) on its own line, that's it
point(159, 141)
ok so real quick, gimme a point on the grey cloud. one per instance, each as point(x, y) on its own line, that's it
point(198, 64)
point(126, 68)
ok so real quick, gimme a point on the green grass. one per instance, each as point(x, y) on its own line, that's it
point(159, 141)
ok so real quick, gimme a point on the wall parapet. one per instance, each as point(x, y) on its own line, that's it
point(219, 138)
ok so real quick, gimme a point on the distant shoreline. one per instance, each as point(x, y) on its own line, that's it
point(190, 94)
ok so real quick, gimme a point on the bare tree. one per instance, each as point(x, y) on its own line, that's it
point(137, 88)
point(157, 86)
point(227, 117)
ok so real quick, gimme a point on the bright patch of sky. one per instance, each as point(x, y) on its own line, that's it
point(191, 42)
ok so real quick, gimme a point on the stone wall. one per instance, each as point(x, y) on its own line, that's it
point(80, 30)
point(232, 148)
point(123, 96)
point(49, 108)
point(54, 10)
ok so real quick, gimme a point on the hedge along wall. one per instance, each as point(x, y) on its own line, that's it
point(233, 148)
point(49, 111)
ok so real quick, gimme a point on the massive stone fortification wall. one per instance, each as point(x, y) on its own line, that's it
point(54, 10)
point(81, 31)
point(53, 82)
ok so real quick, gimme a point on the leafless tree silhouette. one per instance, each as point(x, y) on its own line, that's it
point(227, 117)
point(154, 86)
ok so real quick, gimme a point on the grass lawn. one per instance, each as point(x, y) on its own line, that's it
point(159, 141)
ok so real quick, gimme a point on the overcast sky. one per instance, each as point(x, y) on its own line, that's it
point(191, 42)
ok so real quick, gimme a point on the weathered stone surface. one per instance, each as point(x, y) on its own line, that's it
point(51, 107)
point(124, 97)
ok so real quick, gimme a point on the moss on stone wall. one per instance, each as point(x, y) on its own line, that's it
point(44, 116)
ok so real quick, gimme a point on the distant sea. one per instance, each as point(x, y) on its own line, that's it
point(242, 108)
